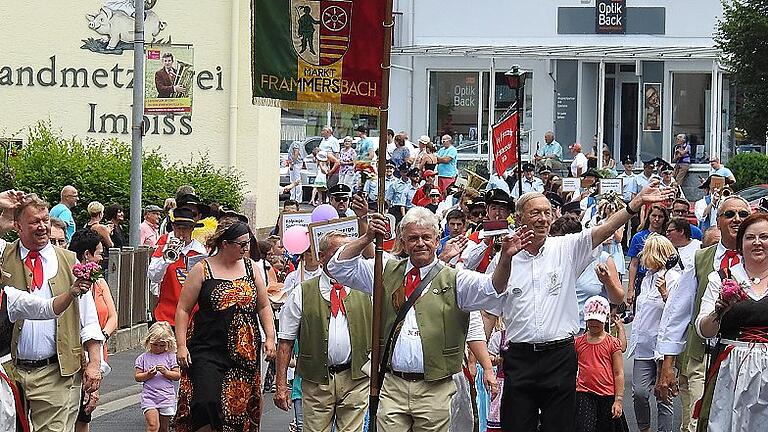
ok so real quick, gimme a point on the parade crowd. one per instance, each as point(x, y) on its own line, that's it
point(503, 309)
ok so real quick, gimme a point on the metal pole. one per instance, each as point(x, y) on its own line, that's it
point(491, 113)
point(378, 266)
point(137, 126)
point(519, 112)
point(600, 115)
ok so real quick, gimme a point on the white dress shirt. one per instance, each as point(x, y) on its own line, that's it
point(698, 210)
point(541, 301)
point(650, 306)
point(533, 185)
point(476, 329)
point(158, 265)
point(474, 291)
point(296, 277)
point(688, 252)
point(24, 305)
point(712, 292)
point(339, 345)
point(679, 309)
point(37, 340)
point(629, 187)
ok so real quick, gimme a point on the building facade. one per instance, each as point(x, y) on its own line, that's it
point(633, 73)
point(70, 63)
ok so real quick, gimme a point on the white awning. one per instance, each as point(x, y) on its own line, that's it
point(624, 53)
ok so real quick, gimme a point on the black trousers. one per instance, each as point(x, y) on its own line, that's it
point(539, 381)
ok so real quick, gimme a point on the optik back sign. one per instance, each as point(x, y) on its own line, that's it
point(610, 16)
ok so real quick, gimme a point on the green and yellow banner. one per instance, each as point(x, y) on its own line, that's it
point(311, 53)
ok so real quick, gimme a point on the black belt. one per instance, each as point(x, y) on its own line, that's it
point(408, 376)
point(34, 364)
point(543, 346)
point(339, 368)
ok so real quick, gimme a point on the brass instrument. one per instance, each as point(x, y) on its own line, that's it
point(172, 251)
point(184, 79)
point(475, 181)
point(726, 192)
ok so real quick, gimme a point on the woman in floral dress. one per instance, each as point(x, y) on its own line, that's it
point(219, 351)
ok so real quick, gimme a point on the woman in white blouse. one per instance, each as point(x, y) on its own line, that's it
point(735, 399)
point(654, 291)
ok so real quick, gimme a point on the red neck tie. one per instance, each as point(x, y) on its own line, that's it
point(338, 294)
point(412, 280)
point(37, 269)
point(730, 259)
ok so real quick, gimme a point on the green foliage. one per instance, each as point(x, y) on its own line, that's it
point(101, 172)
point(749, 169)
point(742, 36)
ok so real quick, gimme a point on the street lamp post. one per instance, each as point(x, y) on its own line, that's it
point(516, 80)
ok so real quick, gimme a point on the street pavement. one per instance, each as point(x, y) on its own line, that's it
point(119, 409)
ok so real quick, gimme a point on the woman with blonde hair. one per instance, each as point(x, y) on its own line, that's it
point(660, 259)
point(96, 212)
point(222, 388)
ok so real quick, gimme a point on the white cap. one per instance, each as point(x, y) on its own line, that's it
point(597, 308)
point(322, 156)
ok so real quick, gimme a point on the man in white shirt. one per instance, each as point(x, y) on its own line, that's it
point(628, 180)
point(47, 354)
point(580, 162)
point(679, 233)
point(679, 337)
point(528, 182)
point(429, 347)
point(329, 143)
point(719, 169)
point(333, 324)
point(644, 178)
point(541, 314)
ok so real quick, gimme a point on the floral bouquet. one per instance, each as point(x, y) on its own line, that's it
point(732, 292)
point(89, 271)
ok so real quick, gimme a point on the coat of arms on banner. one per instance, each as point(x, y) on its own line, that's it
point(114, 23)
point(321, 29)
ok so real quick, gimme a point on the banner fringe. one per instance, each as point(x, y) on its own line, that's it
point(336, 107)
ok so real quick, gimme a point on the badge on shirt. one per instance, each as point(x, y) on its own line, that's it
point(517, 292)
point(554, 283)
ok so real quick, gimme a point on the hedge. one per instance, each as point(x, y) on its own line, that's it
point(101, 172)
point(749, 169)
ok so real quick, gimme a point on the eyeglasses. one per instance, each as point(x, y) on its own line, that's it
point(671, 230)
point(341, 199)
point(243, 244)
point(730, 214)
point(58, 242)
point(477, 213)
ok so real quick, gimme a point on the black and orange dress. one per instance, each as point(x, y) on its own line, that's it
point(222, 386)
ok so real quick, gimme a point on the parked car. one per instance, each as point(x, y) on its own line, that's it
point(754, 194)
point(750, 148)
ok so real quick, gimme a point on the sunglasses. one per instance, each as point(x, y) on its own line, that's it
point(341, 199)
point(58, 242)
point(477, 213)
point(730, 214)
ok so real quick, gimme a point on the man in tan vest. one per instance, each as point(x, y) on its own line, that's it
point(429, 348)
point(333, 325)
point(679, 343)
point(47, 355)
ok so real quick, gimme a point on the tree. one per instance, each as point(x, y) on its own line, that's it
point(742, 37)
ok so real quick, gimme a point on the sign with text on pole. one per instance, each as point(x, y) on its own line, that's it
point(505, 142)
point(169, 73)
point(311, 53)
point(610, 16)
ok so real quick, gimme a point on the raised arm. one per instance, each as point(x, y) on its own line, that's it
point(650, 194)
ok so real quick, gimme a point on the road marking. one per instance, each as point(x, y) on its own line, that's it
point(116, 405)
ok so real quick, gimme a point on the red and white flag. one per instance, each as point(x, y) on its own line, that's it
point(505, 141)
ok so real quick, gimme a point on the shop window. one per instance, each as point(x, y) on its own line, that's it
point(691, 105)
point(454, 103)
point(299, 124)
point(504, 99)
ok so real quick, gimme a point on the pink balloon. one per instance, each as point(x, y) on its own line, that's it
point(296, 239)
point(323, 213)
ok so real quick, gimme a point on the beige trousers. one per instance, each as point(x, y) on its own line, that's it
point(419, 406)
point(343, 400)
point(691, 390)
point(53, 400)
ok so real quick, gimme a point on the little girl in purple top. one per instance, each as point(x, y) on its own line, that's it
point(157, 369)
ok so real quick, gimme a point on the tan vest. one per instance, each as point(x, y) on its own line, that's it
point(69, 349)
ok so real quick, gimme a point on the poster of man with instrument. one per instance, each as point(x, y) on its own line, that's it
point(169, 72)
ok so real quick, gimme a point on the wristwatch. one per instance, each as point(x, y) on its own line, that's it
point(106, 335)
